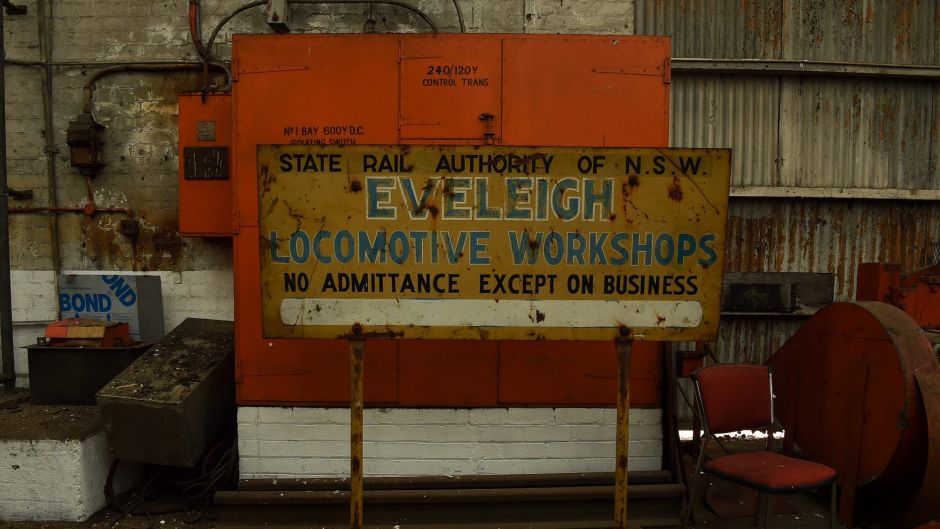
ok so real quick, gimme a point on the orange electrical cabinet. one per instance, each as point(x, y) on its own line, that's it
point(551, 90)
point(205, 181)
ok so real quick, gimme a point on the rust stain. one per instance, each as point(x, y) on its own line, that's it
point(625, 196)
point(902, 21)
point(267, 179)
point(539, 316)
point(675, 190)
point(533, 243)
point(273, 204)
point(448, 188)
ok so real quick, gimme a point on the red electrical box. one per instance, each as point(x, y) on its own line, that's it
point(205, 129)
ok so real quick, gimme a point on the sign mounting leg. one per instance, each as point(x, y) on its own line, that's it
point(624, 355)
point(357, 348)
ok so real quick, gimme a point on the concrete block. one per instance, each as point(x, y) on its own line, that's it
point(45, 480)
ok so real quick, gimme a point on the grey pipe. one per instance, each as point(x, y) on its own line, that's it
point(45, 52)
point(7, 373)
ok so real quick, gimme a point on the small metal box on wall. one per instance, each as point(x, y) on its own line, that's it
point(134, 299)
point(204, 176)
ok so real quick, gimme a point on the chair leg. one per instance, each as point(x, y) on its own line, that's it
point(768, 510)
point(690, 502)
point(696, 478)
point(757, 509)
point(832, 508)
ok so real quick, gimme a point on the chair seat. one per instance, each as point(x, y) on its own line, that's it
point(771, 472)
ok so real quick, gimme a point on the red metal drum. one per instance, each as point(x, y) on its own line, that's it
point(847, 394)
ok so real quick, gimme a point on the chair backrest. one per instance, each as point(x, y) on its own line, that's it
point(734, 396)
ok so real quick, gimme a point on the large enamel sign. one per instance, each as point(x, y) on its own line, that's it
point(492, 242)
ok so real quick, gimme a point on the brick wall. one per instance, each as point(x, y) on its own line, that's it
point(311, 442)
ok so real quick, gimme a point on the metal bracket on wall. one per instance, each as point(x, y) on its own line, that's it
point(13, 9)
point(20, 194)
point(278, 16)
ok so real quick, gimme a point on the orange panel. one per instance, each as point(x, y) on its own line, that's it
point(446, 85)
point(205, 205)
point(454, 373)
point(552, 90)
point(586, 91)
point(320, 374)
point(309, 89)
point(576, 373)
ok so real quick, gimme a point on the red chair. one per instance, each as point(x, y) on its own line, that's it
point(734, 397)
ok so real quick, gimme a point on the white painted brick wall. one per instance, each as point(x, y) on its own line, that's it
point(191, 294)
point(56, 480)
point(314, 442)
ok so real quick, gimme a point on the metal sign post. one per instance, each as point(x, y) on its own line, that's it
point(624, 356)
point(357, 349)
point(357, 352)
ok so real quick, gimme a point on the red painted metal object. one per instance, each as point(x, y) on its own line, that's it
point(847, 395)
point(916, 293)
point(546, 90)
point(88, 333)
point(205, 203)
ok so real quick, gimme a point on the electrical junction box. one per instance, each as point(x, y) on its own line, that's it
point(134, 299)
point(205, 130)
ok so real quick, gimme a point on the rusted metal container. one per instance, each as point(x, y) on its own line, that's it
point(62, 374)
point(171, 403)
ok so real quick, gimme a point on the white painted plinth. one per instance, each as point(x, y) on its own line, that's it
point(47, 480)
point(277, 443)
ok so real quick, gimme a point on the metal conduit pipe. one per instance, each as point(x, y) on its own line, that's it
point(463, 27)
point(89, 209)
point(152, 67)
point(7, 372)
point(45, 52)
point(259, 3)
point(195, 30)
point(230, 16)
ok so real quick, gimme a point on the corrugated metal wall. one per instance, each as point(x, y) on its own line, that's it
point(871, 31)
point(856, 135)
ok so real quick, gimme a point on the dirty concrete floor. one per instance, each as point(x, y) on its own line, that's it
point(802, 512)
point(795, 511)
point(109, 519)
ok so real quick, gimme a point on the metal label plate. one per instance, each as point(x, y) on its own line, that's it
point(468, 242)
point(205, 130)
point(205, 163)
